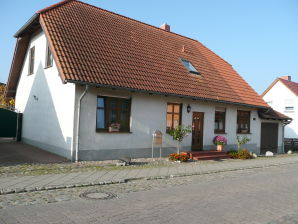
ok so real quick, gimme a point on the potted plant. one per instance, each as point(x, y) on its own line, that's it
point(179, 133)
point(114, 127)
point(219, 141)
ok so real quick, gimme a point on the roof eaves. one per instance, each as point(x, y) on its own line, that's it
point(271, 85)
point(26, 25)
point(165, 94)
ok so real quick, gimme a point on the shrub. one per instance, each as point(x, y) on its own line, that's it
point(183, 157)
point(233, 154)
point(244, 154)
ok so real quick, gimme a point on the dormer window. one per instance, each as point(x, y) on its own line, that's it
point(188, 65)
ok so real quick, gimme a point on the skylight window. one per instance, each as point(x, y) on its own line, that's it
point(189, 67)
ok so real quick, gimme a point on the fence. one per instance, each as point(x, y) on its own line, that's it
point(291, 144)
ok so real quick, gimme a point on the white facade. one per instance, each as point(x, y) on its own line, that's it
point(148, 113)
point(49, 110)
point(47, 104)
point(282, 99)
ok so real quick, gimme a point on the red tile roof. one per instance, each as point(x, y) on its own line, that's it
point(293, 86)
point(92, 45)
point(273, 114)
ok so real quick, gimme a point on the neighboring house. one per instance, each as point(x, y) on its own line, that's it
point(94, 82)
point(282, 96)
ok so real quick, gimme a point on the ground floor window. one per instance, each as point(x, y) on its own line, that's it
point(220, 120)
point(113, 114)
point(174, 111)
point(243, 121)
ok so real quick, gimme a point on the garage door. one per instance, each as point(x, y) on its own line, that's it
point(269, 137)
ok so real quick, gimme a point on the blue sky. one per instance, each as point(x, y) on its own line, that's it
point(258, 37)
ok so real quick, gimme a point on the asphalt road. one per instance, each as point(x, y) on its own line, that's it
point(268, 195)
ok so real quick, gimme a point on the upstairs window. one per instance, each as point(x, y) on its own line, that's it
point(113, 114)
point(31, 60)
point(173, 116)
point(289, 105)
point(49, 58)
point(190, 68)
point(220, 120)
point(243, 122)
point(289, 109)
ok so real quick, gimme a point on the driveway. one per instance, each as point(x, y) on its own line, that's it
point(13, 153)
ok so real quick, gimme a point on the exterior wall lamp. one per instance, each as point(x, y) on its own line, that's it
point(188, 108)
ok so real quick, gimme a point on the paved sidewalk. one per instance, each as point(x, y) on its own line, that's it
point(17, 184)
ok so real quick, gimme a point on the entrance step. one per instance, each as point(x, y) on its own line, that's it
point(208, 155)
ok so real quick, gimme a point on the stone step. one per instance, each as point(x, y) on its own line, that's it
point(211, 157)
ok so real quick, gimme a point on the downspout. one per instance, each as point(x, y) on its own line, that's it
point(78, 123)
point(283, 138)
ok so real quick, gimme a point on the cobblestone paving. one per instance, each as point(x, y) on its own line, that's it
point(32, 183)
point(51, 196)
point(262, 195)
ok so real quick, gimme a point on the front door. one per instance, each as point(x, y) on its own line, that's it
point(197, 131)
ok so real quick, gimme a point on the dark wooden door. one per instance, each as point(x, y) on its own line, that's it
point(269, 137)
point(197, 131)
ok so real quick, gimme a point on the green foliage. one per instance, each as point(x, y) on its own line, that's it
point(233, 154)
point(4, 101)
point(241, 154)
point(242, 140)
point(244, 154)
point(180, 132)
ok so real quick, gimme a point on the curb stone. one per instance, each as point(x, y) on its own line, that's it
point(46, 188)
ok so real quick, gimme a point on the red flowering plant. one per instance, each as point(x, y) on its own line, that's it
point(179, 157)
point(219, 140)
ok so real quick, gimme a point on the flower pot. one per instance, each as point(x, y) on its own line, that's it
point(219, 148)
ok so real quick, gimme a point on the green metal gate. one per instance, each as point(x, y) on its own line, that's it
point(10, 124)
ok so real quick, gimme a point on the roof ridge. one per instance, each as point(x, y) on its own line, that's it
point(54, 6)
point(126, 17)
point(288, 81)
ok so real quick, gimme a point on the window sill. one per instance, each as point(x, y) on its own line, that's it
point(240, 133)
point(113, 132)
point(220, 132)
point(50, 66)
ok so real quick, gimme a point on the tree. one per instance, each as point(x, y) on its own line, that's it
point(242, 140)
point(179, 133)
point(5, 102)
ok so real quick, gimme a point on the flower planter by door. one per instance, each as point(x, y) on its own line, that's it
point(219, 148)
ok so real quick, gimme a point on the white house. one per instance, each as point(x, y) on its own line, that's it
point(95, 85)
point(282, 96)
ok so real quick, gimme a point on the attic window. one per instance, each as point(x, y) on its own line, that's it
point(188, 65)
point(31, 60)
point(49, 58)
